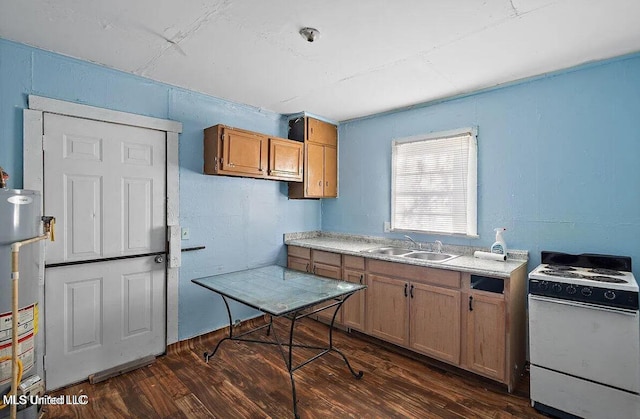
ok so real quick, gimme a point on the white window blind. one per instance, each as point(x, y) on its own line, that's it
point(434, 183)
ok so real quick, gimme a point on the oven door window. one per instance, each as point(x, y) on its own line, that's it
point(601, 344)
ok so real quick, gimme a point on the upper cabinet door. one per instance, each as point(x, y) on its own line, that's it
point(244, 152)
point(285, 159)
point(315, 171)
point(322, 132)
point(330, 172)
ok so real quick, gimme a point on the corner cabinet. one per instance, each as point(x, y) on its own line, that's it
point(320, 139)
point(236, 152)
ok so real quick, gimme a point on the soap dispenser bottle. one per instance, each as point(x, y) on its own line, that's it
point(499, 247)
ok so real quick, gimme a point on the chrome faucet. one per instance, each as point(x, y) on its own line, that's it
point(438, 244)
point(414, 242)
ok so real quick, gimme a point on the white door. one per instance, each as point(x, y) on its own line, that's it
point(104, 291)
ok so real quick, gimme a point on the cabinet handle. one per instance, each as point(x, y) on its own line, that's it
point(319, 183)
point(314, 269)
point(470, 303)
point(327, 183)
point(405, 289)
point(361, 278)
point(307, 268)
point(411, 291)
point(231, 164)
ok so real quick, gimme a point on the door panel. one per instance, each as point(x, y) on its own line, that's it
point(285, 159)
point(387, 309)
point(84, 211)
point(105, 184)
point(486, 336)
point(83, 309)
point(100, 315)
point(315, 170)
point(435, 322)
point(137, 197)
point(244, 152)
point(353, 308)
point(330, 172)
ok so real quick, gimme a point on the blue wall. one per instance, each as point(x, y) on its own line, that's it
point(240, 221)
point(558, 162)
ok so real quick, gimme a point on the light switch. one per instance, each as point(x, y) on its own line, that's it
point(185, 233)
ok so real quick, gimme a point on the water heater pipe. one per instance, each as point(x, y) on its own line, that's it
point(49, 226)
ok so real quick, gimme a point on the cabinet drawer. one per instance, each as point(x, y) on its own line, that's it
point(299, 252)
point(298, 264)
point(416, 273)
point(327, 270)
point(327, 258)
point(353, 262)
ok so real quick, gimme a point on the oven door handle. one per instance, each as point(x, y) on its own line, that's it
point(624, 311)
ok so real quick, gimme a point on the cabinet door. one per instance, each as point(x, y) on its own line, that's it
point(330, 172)
point(329, 271)
point(387, 309)
point(244, 152)
point(353, 308)
point(315, 170)
point(434, 322)
point(486, 335)
point(322, 132)
point(285, 159)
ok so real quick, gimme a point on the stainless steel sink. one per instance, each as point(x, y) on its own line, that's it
point(409, 253)
point(390, 251)
point(432, 256)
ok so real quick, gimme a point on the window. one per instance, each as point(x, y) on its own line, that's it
point(434, 183)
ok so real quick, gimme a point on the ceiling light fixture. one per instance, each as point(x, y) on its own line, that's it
point(310, 34)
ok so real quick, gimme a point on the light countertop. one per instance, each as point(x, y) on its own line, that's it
point(356, 245)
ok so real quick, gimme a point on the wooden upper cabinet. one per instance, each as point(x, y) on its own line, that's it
point(285, 159)
point(237, 152)
point(322, 132)
point(320, 178)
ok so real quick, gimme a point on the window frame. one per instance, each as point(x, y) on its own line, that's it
point(472, 182)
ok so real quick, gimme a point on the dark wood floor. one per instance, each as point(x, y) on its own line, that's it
point(245, 380)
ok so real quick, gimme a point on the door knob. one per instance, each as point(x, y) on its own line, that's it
point(159, 259)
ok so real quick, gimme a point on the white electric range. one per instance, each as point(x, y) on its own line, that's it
point(584, 336)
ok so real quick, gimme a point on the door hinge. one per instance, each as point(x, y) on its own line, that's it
point(44, 362)
point(44, 142)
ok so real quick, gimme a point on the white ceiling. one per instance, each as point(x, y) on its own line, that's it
point(372, 55)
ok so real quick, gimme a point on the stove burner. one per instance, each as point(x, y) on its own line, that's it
point(563, 274)
point(560, 268)
point(607, 272)
point(601, 278)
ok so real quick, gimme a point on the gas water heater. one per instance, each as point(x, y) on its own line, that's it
point(20, 219)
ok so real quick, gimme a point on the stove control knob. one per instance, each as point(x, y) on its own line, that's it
point(609, 295)
point(556, 287)
point(571, 289)
point(586, 291)
point(544, 285)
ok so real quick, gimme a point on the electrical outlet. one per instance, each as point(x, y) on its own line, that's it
point(387, 227)
point(185, 233)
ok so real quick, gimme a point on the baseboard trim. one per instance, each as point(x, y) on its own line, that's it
point(214, 336)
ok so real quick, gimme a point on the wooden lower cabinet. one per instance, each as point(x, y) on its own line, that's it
point(320, 263)
point(388, 309)
point(353, 310)
point(434, 322)
point(486, 334)
point(440, 313)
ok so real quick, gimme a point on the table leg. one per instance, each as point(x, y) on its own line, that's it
point(208, 355)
